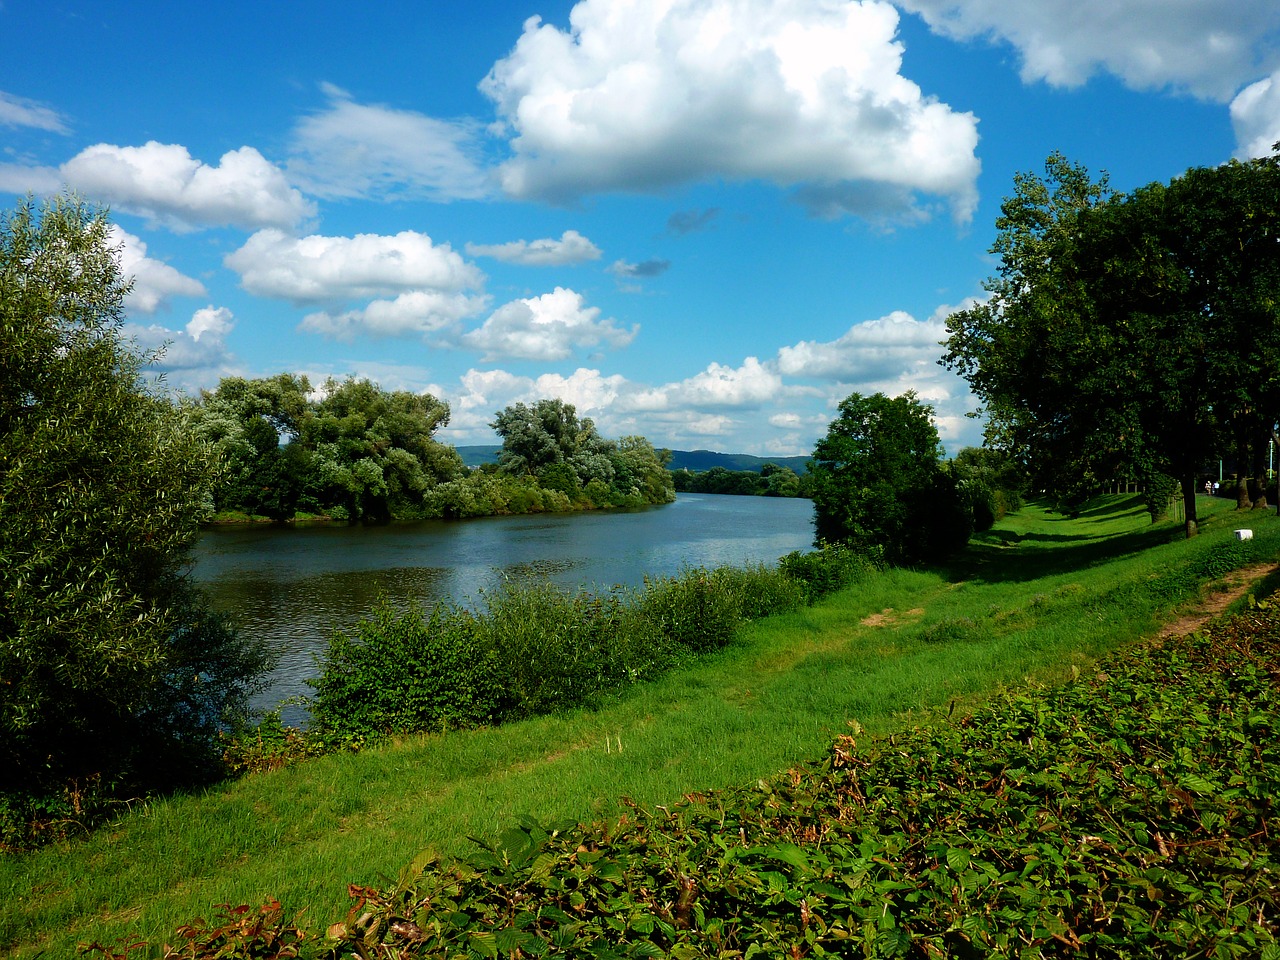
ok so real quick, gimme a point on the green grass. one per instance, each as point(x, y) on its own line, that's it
point(1032, 599)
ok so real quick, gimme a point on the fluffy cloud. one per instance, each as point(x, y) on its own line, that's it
point(718, 387)
point(351, 149)
point(417, 312)
point(18, 111)
point(1208, 47)
point(22, 179)
point(484, 392)
point(649, 94)
point(165, 183)
point(193, 358)
point(154, 281)
point(319, 269)
point(890, 355)
point(1255, 115)
point(873, 352)
point(571, 248)
point(549, 327)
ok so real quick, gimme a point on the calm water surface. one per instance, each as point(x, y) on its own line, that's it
point(294, 585)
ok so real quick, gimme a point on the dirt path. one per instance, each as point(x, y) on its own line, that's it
point(1195, 616)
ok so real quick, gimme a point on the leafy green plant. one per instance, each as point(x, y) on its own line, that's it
point(240, 933)
point(831, 567)
point(1126, 815)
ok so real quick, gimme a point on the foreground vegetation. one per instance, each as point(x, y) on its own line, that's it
point(1039, 595)
point(1130, 815)
point(533, 650)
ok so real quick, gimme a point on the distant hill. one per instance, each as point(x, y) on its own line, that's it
point(478, 456)
point(699, 460)
point(695, 460)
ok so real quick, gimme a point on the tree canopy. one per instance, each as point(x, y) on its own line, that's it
point(878, 483)
point(349, 450)
point(1130, 335)
point(113, 674)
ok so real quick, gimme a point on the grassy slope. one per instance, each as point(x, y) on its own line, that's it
point(1030, 599)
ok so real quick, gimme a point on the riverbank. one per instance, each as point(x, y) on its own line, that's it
point(1035, 598)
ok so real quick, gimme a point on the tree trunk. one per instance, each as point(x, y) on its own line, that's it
point(1189, 504)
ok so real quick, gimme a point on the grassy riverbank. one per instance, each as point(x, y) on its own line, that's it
point(1036, 597)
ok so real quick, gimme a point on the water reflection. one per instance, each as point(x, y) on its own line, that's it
point(293, 586)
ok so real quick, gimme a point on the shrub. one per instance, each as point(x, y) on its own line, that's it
point(406, 671)
point(692, 610)
point(759, 591)
point(832, 567)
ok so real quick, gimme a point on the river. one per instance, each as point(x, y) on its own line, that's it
point(293, 586)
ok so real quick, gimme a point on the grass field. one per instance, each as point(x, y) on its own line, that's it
point(1031, 600)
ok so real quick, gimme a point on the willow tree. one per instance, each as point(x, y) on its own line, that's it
point(114, 676)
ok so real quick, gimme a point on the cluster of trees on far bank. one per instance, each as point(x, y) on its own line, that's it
point(353, 451)
point(771, 480)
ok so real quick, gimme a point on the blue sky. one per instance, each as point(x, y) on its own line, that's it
point(702, 221)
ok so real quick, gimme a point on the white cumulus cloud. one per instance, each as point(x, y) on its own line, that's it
point(417, 312)
point(871, 352)
point(571, 248)
point(1207, 47)
point(351, 149)
point(1255, 115)
point(154, 281)
point(323, 269)
point(482, 393)
point(21, 179)
point(165, 183)
point(650, 94)
point(717, 387)
point(549, 327)
point(193, 358)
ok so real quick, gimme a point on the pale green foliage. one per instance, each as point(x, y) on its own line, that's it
point(109, 663)
point(566, 454)
point(350, 450)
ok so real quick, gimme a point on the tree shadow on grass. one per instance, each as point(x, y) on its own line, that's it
point(1009, 556)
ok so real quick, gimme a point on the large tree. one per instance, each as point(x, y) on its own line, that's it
point(1133, 334)
point(549, 440)
point(878, 483)
point(356, 450)
point(114, 676)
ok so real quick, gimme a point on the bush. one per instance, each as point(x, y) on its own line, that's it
point(403, 671)
point(528, 650)
point(832, 567)
point(758, 591)
point(692, 610)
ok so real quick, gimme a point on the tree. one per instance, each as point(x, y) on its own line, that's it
point(1130, 335)
point(254, 426)
point(358, 451)
point(878, 482)
point(114, 676)
point(537, 438)
point(376, 452)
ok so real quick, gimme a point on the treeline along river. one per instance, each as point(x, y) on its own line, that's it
point(294, 585)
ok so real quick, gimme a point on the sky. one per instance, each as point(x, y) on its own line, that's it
point(706, 222)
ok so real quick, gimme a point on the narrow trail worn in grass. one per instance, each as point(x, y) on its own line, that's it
point(1034, 598)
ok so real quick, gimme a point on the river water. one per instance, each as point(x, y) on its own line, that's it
point(293, 586)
